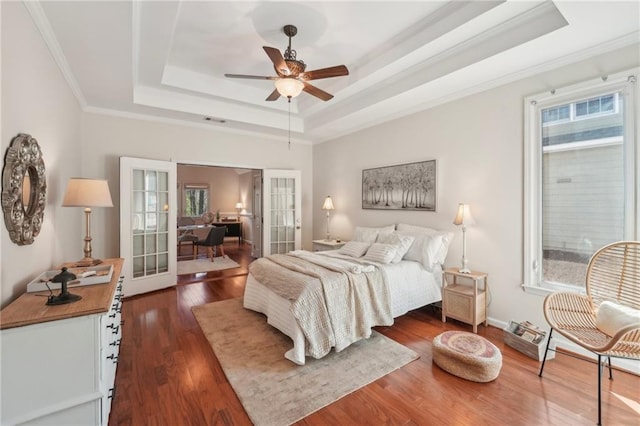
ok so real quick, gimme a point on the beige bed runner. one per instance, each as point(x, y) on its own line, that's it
point(334, 306)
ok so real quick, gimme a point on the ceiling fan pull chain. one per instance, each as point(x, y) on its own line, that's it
point(289, 102)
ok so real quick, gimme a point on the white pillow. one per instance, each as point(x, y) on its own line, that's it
point(447, 237)
point(367, 235)
point(412, 228)
point(424, 249)
point(385, 231)
point(441, 252)
point(402, 243)
point(371, 234)
point(612, 317)
point(381, 253)
point(354, 248)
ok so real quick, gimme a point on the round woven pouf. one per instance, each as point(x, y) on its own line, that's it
point(467, 355)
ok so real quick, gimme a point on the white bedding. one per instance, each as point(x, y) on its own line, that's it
point(410, 286)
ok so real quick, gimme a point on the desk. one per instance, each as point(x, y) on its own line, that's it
point(234, 229)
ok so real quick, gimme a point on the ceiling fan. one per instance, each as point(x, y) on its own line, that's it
point(292, 78)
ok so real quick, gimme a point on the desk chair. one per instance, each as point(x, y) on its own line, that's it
point(186, 236)
point(214, 239)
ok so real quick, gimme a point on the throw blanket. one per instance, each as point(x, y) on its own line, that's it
point(335, 264)
point(334, 301)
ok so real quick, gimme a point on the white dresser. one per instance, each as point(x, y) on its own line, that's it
point(58, 363)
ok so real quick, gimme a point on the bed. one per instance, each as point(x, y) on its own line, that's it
point(394, 282)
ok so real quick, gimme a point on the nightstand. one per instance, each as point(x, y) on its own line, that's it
point(463, 298)
point(323, 245)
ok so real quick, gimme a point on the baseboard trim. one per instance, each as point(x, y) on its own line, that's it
point(628, 365)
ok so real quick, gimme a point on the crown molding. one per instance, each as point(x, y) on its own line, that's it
point(44, 26)
point(211, 126)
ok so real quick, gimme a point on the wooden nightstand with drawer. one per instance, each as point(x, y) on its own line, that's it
point(463, 298)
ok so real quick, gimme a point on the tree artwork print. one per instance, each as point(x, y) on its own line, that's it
point(403, 187)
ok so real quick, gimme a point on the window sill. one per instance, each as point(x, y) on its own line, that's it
point(538, 291)
point(551, 288)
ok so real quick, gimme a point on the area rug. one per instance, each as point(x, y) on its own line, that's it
point(205, 265)
point(273, 390)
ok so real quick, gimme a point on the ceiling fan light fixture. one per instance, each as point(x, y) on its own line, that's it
point(289, 87)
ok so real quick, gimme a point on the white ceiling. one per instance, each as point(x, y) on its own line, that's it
point(167, 59)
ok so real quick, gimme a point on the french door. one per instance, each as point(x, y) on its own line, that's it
point(147, 224)
point(256, 222)
point(281, 211)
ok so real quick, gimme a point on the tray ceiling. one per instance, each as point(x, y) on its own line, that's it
point(167, 59)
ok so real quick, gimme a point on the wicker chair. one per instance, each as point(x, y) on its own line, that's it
point(613, 275)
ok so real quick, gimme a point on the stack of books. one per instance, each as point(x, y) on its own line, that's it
point(529, 332)
point(527, 338)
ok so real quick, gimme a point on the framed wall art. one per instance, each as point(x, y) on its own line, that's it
point(403, 187)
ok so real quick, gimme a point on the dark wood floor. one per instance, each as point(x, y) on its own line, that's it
point(168, 374)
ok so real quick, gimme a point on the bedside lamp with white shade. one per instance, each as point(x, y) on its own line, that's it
point(463, 218)
point(87, 193)
point(328, 206)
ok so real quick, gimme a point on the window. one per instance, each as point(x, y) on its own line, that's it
point(196, 199)
point(556, 114)
point(597, 106)
point(579, 178)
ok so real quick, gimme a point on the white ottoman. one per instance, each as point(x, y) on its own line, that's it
point(467, 355)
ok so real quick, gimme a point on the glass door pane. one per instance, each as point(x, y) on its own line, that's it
point(150, 218)
point(147, 191)
point(282, 211)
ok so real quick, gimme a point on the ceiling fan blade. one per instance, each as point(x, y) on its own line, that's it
point(277, 59)
point(318, 93)
point(336, 71)
point(253, 77)
point(273, 96)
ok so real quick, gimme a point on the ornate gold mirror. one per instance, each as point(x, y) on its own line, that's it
point(24, 189)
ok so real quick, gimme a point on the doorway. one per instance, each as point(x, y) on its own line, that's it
point(219, 195)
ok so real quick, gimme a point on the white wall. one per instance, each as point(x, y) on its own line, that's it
point(107, 137)
point(37, 100)
point(478, 144)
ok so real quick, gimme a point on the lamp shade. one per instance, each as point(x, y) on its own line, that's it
point(328, 204)
point(83, 192)
point(463, 217)
point(289, 87)
point(239, 206)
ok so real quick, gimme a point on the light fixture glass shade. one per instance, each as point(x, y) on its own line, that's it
point(289, 87)
point(463, 217)
point(328, 204)
point(83, 192)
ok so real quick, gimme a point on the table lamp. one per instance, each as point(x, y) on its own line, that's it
point(464, 218)
point(239, 207)
point(87, 193)
point(328, 206)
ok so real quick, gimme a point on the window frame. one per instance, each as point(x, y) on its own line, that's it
point(194, 186)
point(533, 152)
